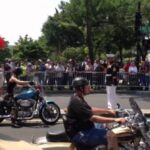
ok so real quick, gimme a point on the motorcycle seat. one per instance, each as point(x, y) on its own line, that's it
point(57, 136)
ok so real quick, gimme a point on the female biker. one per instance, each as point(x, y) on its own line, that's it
point(12, 84)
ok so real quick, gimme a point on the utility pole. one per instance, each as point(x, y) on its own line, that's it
point(138, 23)
point(89, 29)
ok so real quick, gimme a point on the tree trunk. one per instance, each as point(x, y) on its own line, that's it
point(120, 54)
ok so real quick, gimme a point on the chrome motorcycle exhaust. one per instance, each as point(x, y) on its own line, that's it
point(5, 116)
point(25, 118)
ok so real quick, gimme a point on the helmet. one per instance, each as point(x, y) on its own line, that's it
point(17, 71)
point(79, 82)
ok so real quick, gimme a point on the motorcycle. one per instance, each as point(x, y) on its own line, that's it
point(133, 135)
point(29, 104)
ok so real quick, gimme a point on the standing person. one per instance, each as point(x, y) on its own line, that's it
point(111, 81)
point(12, 83)
point(133, 75)
point(59, 69)
point(1, 79)
point(81, 118)
point(7, 70)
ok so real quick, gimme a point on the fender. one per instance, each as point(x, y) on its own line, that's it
point(50, 102)
point(45, 103)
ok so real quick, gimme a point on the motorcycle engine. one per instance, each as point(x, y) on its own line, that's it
point(26, 107)
point(26, 103)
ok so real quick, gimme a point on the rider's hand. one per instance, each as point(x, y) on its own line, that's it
point(120, 120)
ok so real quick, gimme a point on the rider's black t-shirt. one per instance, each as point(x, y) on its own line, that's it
point(78, 116)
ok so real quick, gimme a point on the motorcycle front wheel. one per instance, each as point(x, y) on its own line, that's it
point(49, 113)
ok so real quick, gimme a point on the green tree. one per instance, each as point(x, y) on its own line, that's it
point(77, 53)
point(102, 26)
point(61, 33)
point(5, 52)
point(26, 48)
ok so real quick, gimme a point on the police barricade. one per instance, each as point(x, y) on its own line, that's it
point(63, 80)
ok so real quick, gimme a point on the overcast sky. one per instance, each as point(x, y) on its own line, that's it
point(21, 17)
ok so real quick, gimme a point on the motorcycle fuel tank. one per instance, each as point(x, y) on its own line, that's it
point(26, 94)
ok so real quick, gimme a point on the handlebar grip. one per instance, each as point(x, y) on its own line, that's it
point(32, 83)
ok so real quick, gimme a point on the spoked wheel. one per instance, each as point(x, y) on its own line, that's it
point(50, 113)
point(1, 113)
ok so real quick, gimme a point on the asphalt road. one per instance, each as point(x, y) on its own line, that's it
point(36, 128)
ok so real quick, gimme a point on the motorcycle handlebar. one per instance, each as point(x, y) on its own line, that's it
point(32, 83)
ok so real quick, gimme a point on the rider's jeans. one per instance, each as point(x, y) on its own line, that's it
point(92, 137)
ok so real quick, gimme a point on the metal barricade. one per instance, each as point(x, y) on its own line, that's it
point(63, 80)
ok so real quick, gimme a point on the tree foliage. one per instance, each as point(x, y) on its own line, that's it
point(111, 24)
point(26, 48)
point(77, 53)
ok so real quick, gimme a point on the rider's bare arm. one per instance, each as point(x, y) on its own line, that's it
point(100, 119)
point(102, 111)
point(20, 82)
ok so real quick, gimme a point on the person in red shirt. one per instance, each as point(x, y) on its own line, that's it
point(126, 66)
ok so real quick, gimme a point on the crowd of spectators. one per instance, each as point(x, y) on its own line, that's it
point(60, 74)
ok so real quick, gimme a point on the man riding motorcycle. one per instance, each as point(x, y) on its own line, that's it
point(12, 84)
point(81, 118)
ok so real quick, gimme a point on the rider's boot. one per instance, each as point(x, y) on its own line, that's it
point(14, 118)
point(15, 124)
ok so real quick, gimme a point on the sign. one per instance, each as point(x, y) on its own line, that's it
point(145, 29)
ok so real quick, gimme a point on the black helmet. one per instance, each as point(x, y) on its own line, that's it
point(79, 82)
point(17, 71)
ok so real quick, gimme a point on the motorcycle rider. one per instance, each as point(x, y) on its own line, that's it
point(81, 119)
point(12, 84)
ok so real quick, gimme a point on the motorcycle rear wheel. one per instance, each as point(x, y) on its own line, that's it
point(50, 113)
point(1, 113)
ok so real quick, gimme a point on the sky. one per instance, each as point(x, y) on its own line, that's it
point(21, 17)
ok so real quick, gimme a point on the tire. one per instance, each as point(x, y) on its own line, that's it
point(1, 113)
point(50, 113)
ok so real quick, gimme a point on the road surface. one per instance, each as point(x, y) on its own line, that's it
point(36, 128)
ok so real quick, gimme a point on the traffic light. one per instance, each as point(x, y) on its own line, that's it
point(138, 22)
point(146, 43)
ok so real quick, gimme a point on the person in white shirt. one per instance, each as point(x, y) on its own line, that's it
point(111, 81)
point(60, 69)
point(133, 68)
point(133, 75)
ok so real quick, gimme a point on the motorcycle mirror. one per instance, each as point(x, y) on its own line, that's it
point(118, 105)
